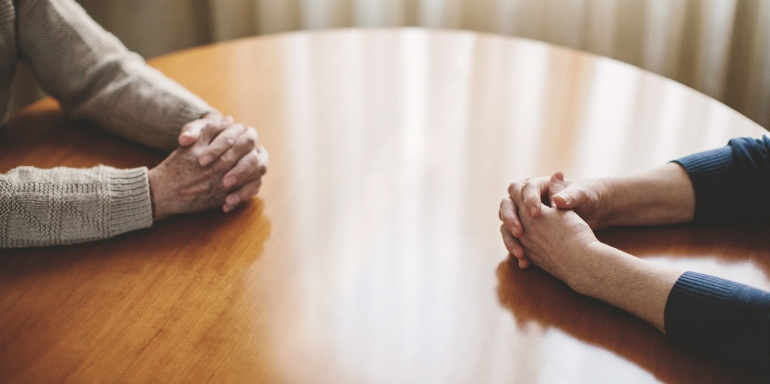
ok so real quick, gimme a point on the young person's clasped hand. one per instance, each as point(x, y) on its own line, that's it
point(525, 201)
point(549, 221)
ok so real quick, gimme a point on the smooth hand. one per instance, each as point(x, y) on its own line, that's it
point(561, 243)
point(183, 183)
point(558, 241)
point(589, 199)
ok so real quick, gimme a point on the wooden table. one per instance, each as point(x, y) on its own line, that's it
point(372, 254)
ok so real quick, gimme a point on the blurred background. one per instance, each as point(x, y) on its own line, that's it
point(719, 47)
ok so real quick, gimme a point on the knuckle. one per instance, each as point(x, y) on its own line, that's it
point(245, 143)
point(531, 199)
point(250, 141)
point(225, 159)
point(237, 129)
point(223, 165)
point(252, 162)
point(515, 186)
point(209, 129)
point(197, 151)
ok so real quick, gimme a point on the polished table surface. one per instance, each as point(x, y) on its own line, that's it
point(372, 253)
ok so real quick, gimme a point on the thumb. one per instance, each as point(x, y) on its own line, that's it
point(570, 197)
point(556, 184)
point(191, 132)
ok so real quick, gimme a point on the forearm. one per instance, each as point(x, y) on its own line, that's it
point(704, 313)
point(632, 284)
point(660, 196)
point(723, 186)
point(40, 207)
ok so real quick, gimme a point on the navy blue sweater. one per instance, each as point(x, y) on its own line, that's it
point(706, 313)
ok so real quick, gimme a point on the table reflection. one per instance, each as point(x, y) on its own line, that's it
point(373, 253)
point(398, 221)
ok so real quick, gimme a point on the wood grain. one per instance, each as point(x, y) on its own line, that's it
point(372, 254)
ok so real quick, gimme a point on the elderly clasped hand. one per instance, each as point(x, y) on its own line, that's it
point(218, 163)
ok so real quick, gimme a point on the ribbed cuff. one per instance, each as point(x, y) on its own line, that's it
point(692, 304)
point(130, 207)
point(720, 318)
point(712, 173)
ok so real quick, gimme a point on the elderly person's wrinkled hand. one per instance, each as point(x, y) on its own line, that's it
point(223, 167)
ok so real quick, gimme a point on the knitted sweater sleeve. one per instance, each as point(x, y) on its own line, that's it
point(64, 205)
point(712, 315)
point(95, 77)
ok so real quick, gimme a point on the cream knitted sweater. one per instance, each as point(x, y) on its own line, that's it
point(94, 77)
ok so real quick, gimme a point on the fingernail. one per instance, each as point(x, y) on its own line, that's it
point(532, 211)
point(565, 198)
point(205, 160)
point(233, 199)
point(229, 181)
point(515, 254)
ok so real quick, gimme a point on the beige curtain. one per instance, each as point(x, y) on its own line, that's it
point(720, 47)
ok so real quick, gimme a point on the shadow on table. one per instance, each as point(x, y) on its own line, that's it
point(173, 243)
point(178, 285)
point(533, 295)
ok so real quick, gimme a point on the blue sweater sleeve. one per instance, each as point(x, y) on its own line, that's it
point(712, 315)
point(720, 318)
point(732, 183)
